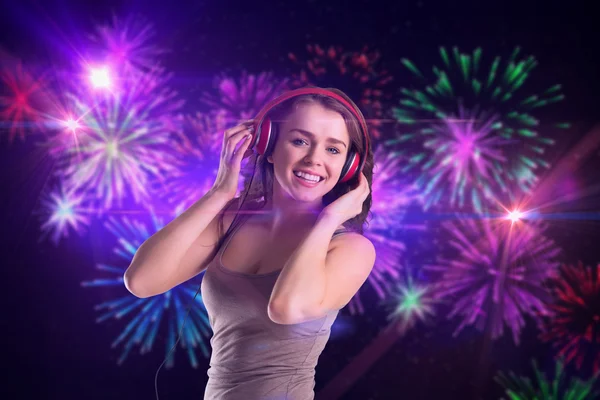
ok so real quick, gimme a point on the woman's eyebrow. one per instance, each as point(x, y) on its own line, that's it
point(312, 136)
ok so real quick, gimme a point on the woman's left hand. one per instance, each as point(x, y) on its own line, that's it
point(350, 204)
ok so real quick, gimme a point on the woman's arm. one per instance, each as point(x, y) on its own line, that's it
point(321, 276)
point(179, 251)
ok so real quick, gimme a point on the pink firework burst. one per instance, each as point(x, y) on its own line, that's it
point(127, 43)
point(20, 100)
point(392, 193)
point(241, 98)
point(496, 275)
point(202, 135)
point(356, 73)
point(465, 165)
point(197, 149)
point(573, 323)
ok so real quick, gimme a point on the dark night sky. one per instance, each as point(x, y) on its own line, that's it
point(55, 348)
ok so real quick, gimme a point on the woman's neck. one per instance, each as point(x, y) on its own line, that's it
point(282, 220)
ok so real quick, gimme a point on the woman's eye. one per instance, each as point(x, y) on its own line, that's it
point(295, 141)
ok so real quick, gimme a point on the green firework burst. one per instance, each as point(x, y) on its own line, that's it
point(480, 130)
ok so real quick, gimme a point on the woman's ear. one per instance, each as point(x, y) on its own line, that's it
point(270, 159)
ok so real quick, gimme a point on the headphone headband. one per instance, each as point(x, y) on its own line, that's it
point(321, 91)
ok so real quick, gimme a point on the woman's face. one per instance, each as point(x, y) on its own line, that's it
point(313, 139)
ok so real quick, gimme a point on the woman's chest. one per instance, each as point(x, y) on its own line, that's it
point(251, 251)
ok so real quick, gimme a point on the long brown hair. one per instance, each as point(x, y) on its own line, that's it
point(257, 192)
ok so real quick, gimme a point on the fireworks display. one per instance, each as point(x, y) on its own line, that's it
point(147, 314)
point(475, 128)
point(466, 138)
point(573, 323)
point(496, 274)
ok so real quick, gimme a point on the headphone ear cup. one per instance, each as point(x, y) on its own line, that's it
point(350, 167)
point(265, 136)
point(269, 147)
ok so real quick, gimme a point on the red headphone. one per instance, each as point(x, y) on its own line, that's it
point(265, 137)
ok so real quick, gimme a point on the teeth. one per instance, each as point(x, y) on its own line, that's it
point(312, 178)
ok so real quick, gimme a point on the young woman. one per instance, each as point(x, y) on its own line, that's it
point(275, 281)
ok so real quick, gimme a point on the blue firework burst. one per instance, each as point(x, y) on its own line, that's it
point(146, 315)
point(61, 211)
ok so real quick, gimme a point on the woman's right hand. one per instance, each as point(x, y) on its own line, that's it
point(231, 158)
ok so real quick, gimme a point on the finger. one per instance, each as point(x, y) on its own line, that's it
point(232, 131)
point(229, 133)
point(235, 140)
point(241, 151)
point(236, 129)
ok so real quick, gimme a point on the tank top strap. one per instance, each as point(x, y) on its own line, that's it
point(339, 232)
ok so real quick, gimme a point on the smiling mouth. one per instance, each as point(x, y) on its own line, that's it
point(307, 180)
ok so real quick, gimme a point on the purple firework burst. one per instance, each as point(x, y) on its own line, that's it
point(392, 193)
point(391, 197)
point(240, 98)
point(197, 148)
point(496, 274)
point(127, 43)
point(466, 157)
point(122, 139)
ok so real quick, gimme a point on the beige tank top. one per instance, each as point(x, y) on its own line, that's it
point(253, 357)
